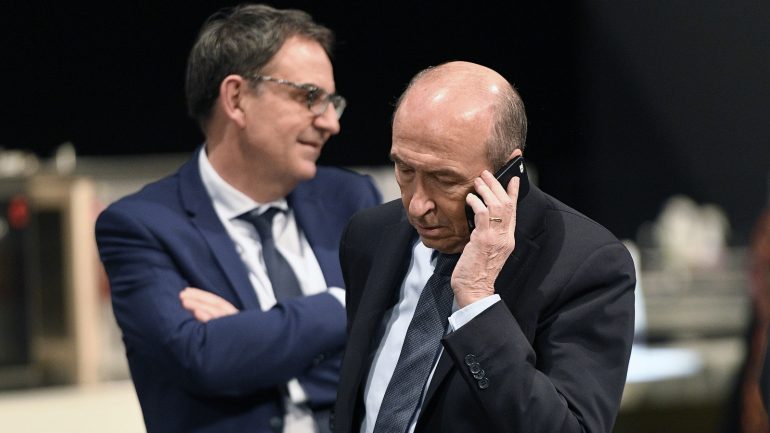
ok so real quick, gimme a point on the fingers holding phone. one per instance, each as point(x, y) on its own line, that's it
point(493, 206)
point(492, 240)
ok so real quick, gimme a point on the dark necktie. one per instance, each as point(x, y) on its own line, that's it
point(282, 277)
point(418, 354)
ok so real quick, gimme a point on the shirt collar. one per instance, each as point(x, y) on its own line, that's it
point(229, 202)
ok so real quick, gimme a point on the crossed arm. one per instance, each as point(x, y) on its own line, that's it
point(204, 356)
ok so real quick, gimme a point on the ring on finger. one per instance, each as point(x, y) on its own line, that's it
point(495, 220)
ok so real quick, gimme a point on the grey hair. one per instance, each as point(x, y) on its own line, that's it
point(509, 130)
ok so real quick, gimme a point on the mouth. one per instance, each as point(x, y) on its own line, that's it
point(428, 231)
point(312, 143)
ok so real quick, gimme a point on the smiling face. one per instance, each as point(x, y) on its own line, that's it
point(440, 132)
point(281, 135)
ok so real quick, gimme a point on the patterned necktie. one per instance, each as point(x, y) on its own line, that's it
point(418, 354)
point(282, 277)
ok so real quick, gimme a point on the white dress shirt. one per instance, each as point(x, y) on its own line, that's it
point(396, 324)
point(229, 204)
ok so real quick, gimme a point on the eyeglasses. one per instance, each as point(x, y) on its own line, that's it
point(318, 99)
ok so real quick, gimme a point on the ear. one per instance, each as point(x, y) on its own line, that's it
point(514, 154)
point(231, 93)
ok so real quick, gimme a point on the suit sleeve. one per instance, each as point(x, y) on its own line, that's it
point(321, 380)
point(572, 377)
point(230, 356)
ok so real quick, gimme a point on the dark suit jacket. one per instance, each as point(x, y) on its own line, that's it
point(222, 376)
point(555, 351)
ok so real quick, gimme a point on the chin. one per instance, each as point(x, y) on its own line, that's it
point(446, 246)
point(307, 171)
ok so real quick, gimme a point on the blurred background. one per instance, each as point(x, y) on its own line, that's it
point(653, 118)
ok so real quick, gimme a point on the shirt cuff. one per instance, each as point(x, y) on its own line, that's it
point(339, 294)
point(464, 315)
point(296, 392)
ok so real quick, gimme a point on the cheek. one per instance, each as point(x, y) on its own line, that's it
point(452, 209)
point(457, 215)
point(289, 126)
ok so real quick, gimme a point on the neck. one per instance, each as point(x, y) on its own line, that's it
point(245, 174)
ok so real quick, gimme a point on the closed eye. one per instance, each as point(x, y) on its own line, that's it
point(404, 168)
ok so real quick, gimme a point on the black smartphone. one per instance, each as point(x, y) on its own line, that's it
point(514, 167)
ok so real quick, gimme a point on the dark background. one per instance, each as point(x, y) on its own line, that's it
point(629, 102)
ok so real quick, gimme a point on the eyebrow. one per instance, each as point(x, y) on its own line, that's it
point(440, 171)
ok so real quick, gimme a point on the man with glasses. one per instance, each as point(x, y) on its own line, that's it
point(225, 277)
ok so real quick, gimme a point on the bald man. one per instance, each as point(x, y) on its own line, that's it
point(539, 332)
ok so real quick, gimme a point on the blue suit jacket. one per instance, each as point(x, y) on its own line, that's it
point(222, 375)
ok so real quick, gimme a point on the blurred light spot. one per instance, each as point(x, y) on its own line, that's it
point(18, 212)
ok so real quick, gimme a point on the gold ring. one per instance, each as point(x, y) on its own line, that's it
point(495, 220)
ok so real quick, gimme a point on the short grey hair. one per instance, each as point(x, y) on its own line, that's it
point(241, 40)
point(509, 130)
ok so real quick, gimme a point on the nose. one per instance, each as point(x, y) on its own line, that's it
point(421, 202)
point(328, 121)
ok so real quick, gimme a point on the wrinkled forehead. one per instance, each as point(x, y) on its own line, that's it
point(439, 136)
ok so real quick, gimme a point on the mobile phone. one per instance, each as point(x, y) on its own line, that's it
point(514, 167)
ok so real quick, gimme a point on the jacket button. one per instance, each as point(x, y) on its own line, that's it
point(484, 383)
point(479, 375)
point(276, 423)
point(475, 368)
point(470, 359)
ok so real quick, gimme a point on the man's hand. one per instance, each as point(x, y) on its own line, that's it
point(205, 305)
point(491, 242)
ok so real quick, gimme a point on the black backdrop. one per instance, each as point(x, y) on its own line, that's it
point(629, 102)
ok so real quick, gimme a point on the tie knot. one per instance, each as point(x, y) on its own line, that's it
point(269, 214)
point(262, 222)
point(445, 264)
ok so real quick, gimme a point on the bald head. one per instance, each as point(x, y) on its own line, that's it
point(462, 95)
point(459, 78)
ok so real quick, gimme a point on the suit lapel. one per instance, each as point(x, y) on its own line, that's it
point(197, 204)
point(389, 266)
point(530, 224)
point(314, 220)
point(444, 366)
